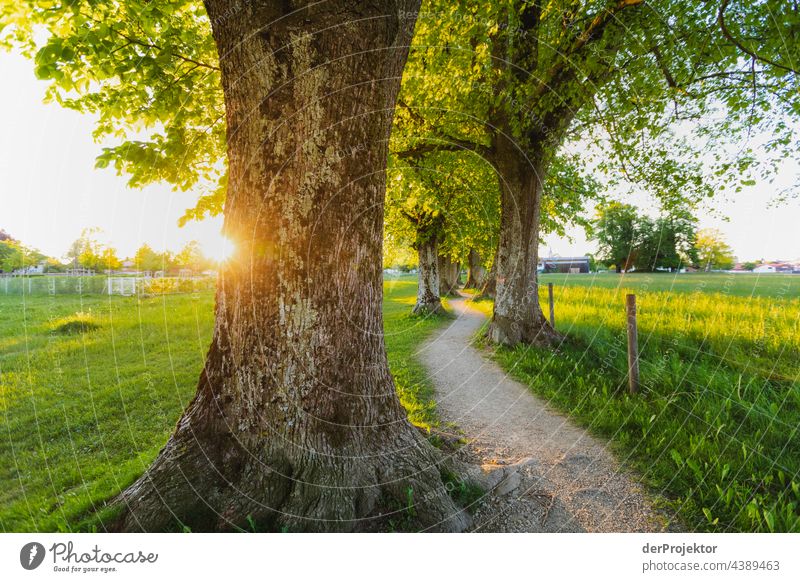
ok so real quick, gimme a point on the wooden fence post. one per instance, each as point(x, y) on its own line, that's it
point(633, 345)
point(552, 308)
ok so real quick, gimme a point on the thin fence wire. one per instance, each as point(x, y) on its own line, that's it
point(100, 285)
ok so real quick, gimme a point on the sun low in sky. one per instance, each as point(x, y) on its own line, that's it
point(219, 248)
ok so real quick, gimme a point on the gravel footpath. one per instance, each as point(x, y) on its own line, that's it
point(560, 477)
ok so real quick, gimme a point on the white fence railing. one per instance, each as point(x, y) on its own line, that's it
point(100, 285)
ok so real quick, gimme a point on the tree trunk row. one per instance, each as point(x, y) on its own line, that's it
point(476, 276)
point(518, 317)
point(449, 273)
point(429, 278)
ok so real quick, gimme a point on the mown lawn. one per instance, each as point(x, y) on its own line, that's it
point(91, 387)
point(715, 428)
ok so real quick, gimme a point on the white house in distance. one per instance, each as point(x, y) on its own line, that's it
point(32, 270)
point(775, 268)
point(571, 265)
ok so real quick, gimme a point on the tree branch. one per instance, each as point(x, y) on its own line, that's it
point(159, 48)
point(556, 76)
point(727, 34)
point(441, 141)
point(442, 144)
point(143, 44)
point(599, 23)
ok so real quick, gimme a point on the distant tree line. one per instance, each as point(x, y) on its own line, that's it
point(15, 255)
point(628, 239)
point(88, 252)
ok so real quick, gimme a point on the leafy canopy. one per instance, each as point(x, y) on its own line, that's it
point(88, 252)
point(447, 196)
point(649, 92)
point(713, 252)
point(663, 94)
point(15, 255)
point(627, 238)
point(149, 73)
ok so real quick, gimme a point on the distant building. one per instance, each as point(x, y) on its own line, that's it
point(775, 268)
point(564, 265)
point(32, 270)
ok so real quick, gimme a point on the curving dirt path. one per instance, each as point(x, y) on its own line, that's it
point(559, 477)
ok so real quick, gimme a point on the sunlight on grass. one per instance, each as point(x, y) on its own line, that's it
point(715, 428)
point(93, 386)
point(405, 335)
point(79, 322)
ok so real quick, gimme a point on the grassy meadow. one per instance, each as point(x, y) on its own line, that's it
point(775, 286)
point(91, 387)
point(715, 427)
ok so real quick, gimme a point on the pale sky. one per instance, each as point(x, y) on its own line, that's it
point(49, 190)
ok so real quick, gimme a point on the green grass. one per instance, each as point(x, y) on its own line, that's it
point(91, 387)
point(715, 428)
point(404, 337)
point(772, 285)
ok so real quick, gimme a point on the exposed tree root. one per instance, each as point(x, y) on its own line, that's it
point(429, 307)
point(219, 484)
point(538, 332)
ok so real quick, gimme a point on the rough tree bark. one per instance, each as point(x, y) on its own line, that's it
point(428, 281)
point(296, 422)
point(477, 272)
point(448, 276)
point(517, 314)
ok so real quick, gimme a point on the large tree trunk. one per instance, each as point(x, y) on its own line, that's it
point(428, 281)
point(517, 315)
point(477, 272)
point(296, 422)
point(448, 276)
